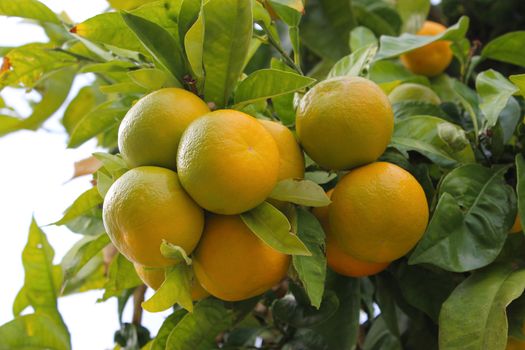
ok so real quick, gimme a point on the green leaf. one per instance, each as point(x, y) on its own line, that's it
point(273, 228)
point(290, 311)
point(413, 13)
point(40, 281)
point(84, 203)
point(100, 119)
point(171, 251)
point(30, 9)
point(442, 142)
point(194, 46)
point(87, 99)
point(121, 276)
point(474, 316)
point(33, 332)
point(494, 90)
point(391, 46)
point(411, 108)
point(379, 17)
point(475, 211)
point(362, 37)
point(228, 31)
point(340, 331)
point(290, 11)
point(149, 78)
point(113, 163)
point(267, 83)
point(159, 343)
point(89, 248)
point(519, 81)
point(506, 48)
point(27, 64)
point(302, 192)
point(198, 330)
point(109, 28)
point(520, 186)
point(388, 71)
point(189, 12)
point(379, 337)
point(355, 63)
point(326, 26)
point(162, 46)
point(319, 177)
point(311, 269)
point(176, 289)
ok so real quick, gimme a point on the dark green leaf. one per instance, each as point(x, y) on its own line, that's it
point(159, 343)
point(161, 45)
point(290, 11)
point(520, 186)
point(227, 33)
point(311, 269)
point(380, 18)
point(469, 226)
point(273, 228)
point(289, 311)
point(379, 337)
point(198, 330)
point(340, 330)
point(474, 316)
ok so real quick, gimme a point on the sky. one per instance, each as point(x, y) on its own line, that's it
point(34, 171)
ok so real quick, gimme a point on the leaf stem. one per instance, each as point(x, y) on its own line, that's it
point(289, 61)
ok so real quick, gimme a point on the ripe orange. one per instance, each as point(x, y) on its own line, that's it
point(228, 162)
point(432, 59)
point(378, 212)
point(154, 277)
point(516, 227)
point(232, 264)
point(339, 261)
point(145, 206)
point(150, 132)
point(344, 122)
point(291, 158)
point(515, 344)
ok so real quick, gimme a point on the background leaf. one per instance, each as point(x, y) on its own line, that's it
point(31, 9)
point(413, 13)
point(355, 63)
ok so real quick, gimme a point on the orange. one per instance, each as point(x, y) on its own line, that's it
point(291, 158)
point(515, 344)
point(145, 206)
point(150, 132)
point(154, 277)
point(432, 59)
point(228, 162)
point(378, 212)
point(344, 122)
point(339, 261)
point(232, 264)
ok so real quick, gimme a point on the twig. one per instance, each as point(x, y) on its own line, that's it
point(138, 298)
point(290, 62)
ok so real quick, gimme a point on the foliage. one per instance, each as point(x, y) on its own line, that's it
point(260, 57)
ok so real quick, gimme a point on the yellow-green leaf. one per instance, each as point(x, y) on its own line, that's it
point(176, 289)
point(302, 192)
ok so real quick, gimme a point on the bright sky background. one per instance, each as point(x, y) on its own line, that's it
point(34, 169)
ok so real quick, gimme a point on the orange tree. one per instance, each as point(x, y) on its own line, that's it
point(245, 137)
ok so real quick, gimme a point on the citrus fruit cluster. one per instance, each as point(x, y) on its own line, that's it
point(194, 171)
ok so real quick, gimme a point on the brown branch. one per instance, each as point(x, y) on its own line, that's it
point(138, 298)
